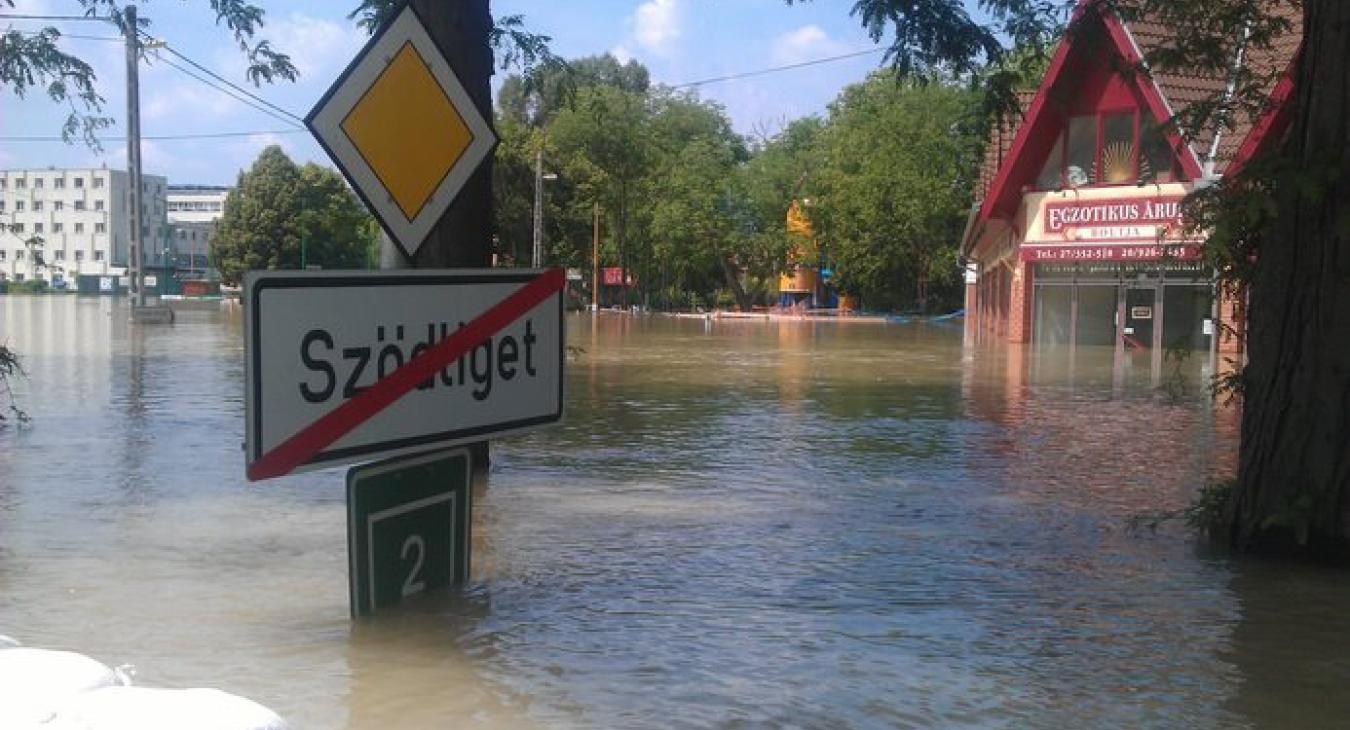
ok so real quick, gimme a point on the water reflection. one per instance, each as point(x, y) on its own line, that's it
point(738, 524)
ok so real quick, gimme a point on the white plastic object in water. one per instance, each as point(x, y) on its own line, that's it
point(35, 683)
point(144, 708)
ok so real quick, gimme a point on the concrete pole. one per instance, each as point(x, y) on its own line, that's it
point(134, 156)
point(537, 256)
point(595, 257)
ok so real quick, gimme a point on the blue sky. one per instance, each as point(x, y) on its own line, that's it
point(679, 41)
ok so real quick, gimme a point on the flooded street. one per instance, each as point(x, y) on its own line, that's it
point(739, 524)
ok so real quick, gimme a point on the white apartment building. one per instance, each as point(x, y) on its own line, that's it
point(78, 222)
point(193, 212)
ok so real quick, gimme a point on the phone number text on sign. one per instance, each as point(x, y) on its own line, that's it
point(1107, 253)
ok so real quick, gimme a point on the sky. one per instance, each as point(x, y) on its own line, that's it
point(679, 41)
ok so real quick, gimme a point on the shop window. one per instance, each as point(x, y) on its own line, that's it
point(1116, 166)
point(1080, 152)
point(1108, 149)
point(1157, 164)
point(1050, 177)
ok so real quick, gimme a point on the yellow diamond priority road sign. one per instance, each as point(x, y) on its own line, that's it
point(403, 129)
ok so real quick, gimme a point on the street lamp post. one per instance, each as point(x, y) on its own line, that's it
point(536, 260)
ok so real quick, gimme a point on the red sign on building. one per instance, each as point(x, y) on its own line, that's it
point(613, 276)
point(1061, 217)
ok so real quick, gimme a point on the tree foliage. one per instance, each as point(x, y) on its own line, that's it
point(897, 187)
point(280, 215)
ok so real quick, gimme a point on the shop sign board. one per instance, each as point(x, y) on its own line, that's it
point(403, 129)
point(408, 528)
point(1063, 216)
point(349, 366)
point(1064, 253)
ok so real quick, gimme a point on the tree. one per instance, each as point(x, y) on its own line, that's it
point(1293, 489)
point(280, 216)
point(902, 156)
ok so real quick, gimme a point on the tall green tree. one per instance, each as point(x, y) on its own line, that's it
point(902, 157)
point(281, 216)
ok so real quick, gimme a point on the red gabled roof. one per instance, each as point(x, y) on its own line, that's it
point(1004, 192)
point(1272, 123)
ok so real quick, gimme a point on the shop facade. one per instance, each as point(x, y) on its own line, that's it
point(1078, 240)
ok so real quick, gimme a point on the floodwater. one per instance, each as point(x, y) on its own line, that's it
point(739, 525)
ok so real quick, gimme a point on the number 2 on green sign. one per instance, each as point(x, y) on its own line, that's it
point(412, 584)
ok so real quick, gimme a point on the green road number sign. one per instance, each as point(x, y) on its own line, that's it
point(407, 527)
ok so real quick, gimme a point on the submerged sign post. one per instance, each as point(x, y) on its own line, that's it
point(347, 367)
point(408, 524)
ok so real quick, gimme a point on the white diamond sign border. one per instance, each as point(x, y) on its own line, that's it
point(325, 122)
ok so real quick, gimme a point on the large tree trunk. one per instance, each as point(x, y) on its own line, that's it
point(1293, 490)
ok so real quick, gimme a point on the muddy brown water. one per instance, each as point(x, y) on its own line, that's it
point(739, 524)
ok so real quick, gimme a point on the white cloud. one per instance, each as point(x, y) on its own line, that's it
point(318, 47)
point(621, 53)
point(804, 44)
point(657, 24)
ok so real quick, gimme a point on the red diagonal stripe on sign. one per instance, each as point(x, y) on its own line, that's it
point(340, 421)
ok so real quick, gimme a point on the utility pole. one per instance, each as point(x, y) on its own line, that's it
point(595, 257)
point(538, 208)
point(134, 155)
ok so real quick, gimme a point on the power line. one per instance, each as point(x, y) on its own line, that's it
point(100, 18)
point(114, 39)
point(776, 69)
point(229, 93)
point(231, 84)
point(163, 137)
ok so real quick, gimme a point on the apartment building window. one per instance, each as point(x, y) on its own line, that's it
point(59, 183)
point(18, 255)
point(37, 182)
point(100, 228)
point(18, 228)
point(20, 184)
point(37, 228)
point(2, 206)
point(79, 228)
point(2, 254)
point(98, 182)
point(37, 205)
point(58, 205)
point(18, 206)
point(4, 183)
point(98, 205)
point(79, 256)
point(79, 182)
point(57, 226)
point(79, 205)
point(98, 255)
point(60, 255)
